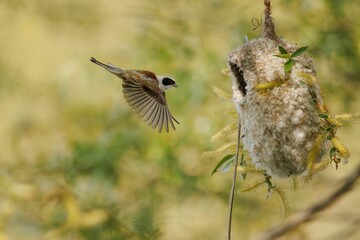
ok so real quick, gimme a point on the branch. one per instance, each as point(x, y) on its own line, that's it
point(307, 214)
point(269, 26)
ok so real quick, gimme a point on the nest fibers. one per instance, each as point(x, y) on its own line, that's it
point(278, 110)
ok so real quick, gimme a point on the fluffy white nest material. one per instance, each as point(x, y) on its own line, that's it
point(279, 125)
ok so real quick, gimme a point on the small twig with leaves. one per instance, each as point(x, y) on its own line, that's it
point(290, 57)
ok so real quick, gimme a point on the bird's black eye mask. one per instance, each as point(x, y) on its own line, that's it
point(167, 81)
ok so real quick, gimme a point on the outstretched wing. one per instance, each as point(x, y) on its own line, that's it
point(150, 105)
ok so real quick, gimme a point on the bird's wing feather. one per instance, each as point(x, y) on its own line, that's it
point(149, 104)
point(146, 73)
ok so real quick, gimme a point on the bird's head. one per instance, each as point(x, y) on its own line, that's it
point(166, 83)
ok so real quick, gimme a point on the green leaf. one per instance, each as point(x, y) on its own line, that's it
point(284, 55)
point(288, 65)
point(299, 51)
point(224, 164)
point(323, 115)
point(246, 39)
point(243, 164)
point(282, 50)
point(333, 152)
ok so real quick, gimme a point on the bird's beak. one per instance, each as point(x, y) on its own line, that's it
point(175, 85)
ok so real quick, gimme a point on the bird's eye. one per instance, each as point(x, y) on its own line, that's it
point(167, 81)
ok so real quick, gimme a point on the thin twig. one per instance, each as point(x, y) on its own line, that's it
point(307, 214)
point(232, 194)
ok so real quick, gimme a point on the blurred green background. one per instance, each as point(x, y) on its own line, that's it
point(77, 163)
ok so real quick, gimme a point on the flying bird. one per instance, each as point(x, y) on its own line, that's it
point(145, 93)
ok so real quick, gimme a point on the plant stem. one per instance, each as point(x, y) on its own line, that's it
point(232, 194)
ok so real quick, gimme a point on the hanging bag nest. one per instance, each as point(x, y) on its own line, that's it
point(277, 99)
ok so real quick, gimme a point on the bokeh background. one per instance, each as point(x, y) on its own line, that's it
point(77, 163)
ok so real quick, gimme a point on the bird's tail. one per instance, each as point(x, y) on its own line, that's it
point(111, 68)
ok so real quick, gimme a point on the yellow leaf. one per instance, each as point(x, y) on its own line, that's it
point(24, 191)
point(93, 218)
point(225, 131)
point(222, 94)
point(344, 118)
point(312, 157)
point(72, 211)
point(343, 151)
point(226, 71)
point(309, 79)
point(269, 85)
point(227, 148)
point(283, 201)
point(335, 122)
point(254, 186)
